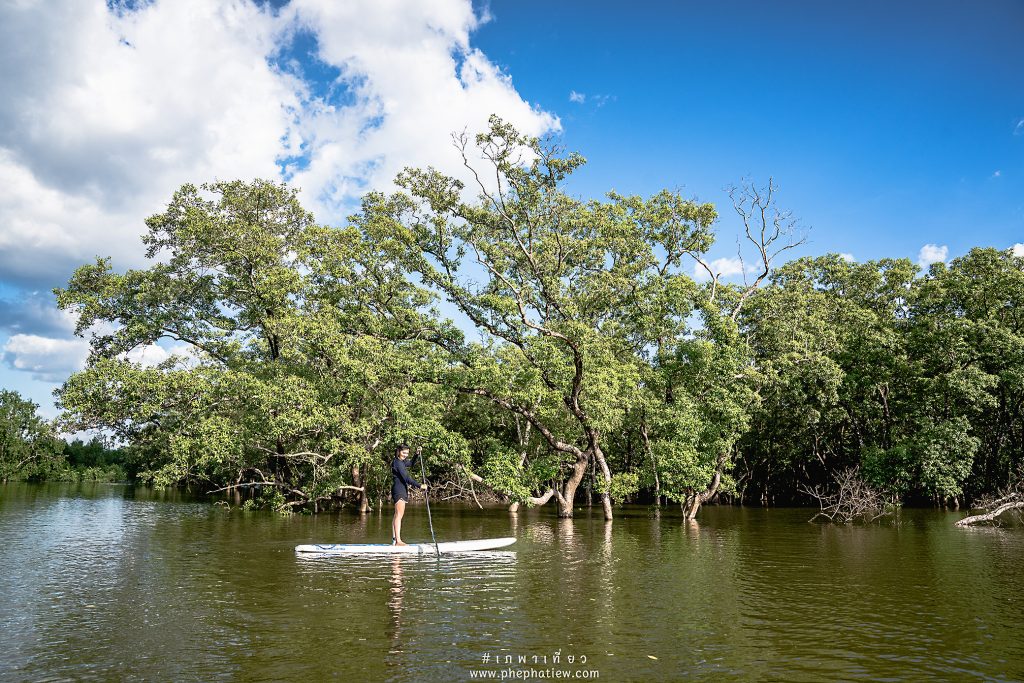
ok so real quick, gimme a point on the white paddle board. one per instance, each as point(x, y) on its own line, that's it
point(412, 548)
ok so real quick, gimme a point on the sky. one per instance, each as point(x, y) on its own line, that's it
point(891, 129)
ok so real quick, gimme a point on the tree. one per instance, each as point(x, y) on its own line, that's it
point(574, 298)
point(561, 283)
point(968, 336)
point(302, 367)
point(29, 448)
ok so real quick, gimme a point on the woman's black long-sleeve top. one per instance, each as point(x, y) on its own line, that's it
point(401, 479)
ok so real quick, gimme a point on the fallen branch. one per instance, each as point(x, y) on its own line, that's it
point(1011, 501)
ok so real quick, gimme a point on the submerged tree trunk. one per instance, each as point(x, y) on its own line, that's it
point(359, 479)
point(691, 505)
point(589, 487)
point(654, 462)
point(606, 499)
point(513, 506)
point(567, 496)
point(534, 500)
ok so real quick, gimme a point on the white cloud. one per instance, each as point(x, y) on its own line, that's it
point(103, 114)
point(723, 267)
point(49, 360)
point(597, 100)
point(151, 355)
point(932, 253)
point(997, 173)
point(52, 360)
point(415, 82)
point(147, 356)
point(1018, 250)
point(1019, 128)
point(847, 257)
point(727, 267)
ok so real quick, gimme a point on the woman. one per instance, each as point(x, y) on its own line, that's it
point(401, 480)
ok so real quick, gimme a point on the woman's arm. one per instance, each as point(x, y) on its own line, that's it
point(406, 477)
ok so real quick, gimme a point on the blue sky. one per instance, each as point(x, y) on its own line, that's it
point(887, 126)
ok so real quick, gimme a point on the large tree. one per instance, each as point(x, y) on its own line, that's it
point(575, 299)
point(302, 366)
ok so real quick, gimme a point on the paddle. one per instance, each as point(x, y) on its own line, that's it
point(426, 497)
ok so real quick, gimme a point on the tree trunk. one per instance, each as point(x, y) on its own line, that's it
point(654, 462)
point(534, 500)
point(693, 501)
point(513, 505)
point(606, 499)
point(567, 496)
point(590, 485)
point(359, 479)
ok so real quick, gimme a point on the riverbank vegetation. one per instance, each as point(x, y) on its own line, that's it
point(30, 449)
point(598, 348)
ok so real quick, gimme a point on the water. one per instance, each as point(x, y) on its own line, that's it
point(103, 582)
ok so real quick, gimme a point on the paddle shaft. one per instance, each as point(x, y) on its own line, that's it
point(426, 497)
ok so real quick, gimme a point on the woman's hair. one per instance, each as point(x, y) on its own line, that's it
point(401, 447)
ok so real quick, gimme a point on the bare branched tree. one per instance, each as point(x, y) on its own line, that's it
point(852, 499)
point(771, 230)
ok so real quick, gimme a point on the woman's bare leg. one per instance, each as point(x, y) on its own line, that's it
point(396, 523)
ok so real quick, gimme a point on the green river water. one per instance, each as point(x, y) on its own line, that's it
point(107, 582)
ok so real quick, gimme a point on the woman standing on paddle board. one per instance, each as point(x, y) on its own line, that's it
point(401, 481)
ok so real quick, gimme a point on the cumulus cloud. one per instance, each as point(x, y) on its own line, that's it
point(413, 82)
point(847, 257)
point(151, 355)
point(104, 112)
point(52, 359)
point(723, 267)
point(932, 253)
point(1018, 250)
point(147, 356)
point(103, 115)
point(107, 108)
point(49, 360)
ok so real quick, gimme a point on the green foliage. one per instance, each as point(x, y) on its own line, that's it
point(570, 295)
point(503, 471)
point(916, 379)
point(307, 351)
point(314, 350)
point(622, 485)
point(29, 447)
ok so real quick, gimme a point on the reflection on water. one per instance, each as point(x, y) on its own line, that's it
point(104, 582)
point(395, 606)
